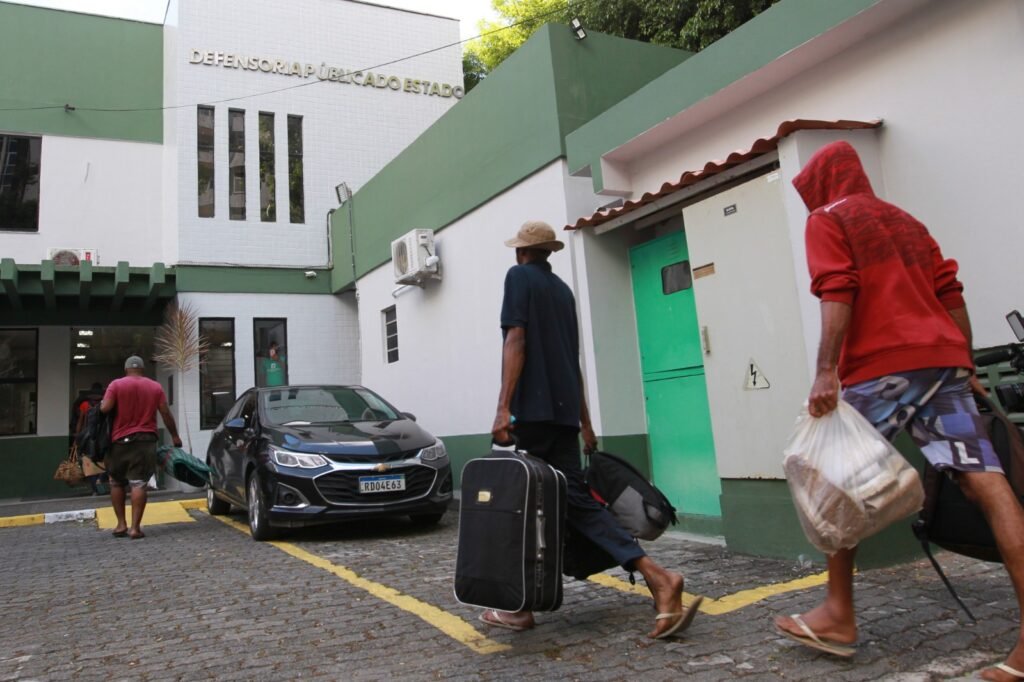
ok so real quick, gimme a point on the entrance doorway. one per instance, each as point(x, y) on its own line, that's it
point(98, 355)
point(675, 392)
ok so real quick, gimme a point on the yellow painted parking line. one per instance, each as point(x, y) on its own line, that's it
point(193, 504)
point(23, 520)
point(451, 625)
point(730, 602)
point(156, 513)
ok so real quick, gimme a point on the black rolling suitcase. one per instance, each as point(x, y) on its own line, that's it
point(511, 533)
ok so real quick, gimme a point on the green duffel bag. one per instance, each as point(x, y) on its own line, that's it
point(182, 466)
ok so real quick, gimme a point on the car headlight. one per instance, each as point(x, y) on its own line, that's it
point(295, 459)
point(435, 452)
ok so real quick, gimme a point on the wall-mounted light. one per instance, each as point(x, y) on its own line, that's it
point(342, 191)
point(85, 332)
point(78, 357)
point(577, 28)
point(81, 345)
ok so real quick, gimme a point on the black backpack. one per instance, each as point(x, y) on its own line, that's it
point(948, 519)
point(94, 440)
point(641, 508)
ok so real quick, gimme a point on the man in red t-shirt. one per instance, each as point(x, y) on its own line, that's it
point(895, 334)
point(132, 457)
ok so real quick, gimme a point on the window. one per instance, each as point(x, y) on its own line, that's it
point(19, 366)
point(236, 164)
point(390, 334)
point(676, 277)
point(217, 371)
point(296, 201)
point(19, 183)
point(269, 340)
point(268, 186)
point(204, 151)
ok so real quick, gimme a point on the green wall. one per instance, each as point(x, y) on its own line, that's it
point(28, 464)
point(511, 125)
point(770, 35)
point(50, 57)
point(216, 279)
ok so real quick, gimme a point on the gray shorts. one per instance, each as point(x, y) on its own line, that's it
point(937, 408)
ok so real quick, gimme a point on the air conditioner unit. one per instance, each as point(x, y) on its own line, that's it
point(63, 256)
point(414, 258)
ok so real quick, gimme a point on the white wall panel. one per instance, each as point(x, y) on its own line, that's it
point(350, 132)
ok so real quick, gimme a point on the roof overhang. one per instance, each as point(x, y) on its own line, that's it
point(45, 293)
point(690, 182)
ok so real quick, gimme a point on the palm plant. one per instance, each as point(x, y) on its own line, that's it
point(179, 346)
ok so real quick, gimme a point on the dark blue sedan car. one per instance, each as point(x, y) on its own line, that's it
point(301, 455)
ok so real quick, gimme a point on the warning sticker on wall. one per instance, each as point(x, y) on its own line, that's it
point(755, 379)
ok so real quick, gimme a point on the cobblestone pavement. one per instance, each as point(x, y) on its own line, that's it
point(201, 600)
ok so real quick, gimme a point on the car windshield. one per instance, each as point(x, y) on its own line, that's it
point(320, 405)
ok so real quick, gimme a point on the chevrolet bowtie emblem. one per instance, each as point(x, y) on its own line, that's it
point(381, 468)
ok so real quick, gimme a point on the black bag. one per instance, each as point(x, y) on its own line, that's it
point(948, 519)
point(511, 533)
point(94, 440)
point(641, 508)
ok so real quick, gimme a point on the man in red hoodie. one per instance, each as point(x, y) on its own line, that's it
point(895, 334)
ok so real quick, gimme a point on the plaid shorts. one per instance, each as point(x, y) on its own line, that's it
point(938, 409)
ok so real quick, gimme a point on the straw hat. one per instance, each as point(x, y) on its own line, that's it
point(535, 234)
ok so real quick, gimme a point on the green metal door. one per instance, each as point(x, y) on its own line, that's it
point(678, 418)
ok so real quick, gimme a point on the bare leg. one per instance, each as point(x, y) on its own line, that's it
point(139, 497)
point(666, 587)
point(992, 493)
point(833, 619)
point(117, 502)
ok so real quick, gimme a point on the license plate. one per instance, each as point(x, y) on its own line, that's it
point(381, 484)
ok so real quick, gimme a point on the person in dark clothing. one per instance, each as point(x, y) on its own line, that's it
point(896, 338)
point(542, 385)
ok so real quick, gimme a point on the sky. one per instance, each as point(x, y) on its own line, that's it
point(469, 12)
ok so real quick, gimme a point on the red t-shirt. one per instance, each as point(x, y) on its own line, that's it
point(135, 400)
point(880, 260)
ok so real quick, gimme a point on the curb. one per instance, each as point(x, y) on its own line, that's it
point(76, 515)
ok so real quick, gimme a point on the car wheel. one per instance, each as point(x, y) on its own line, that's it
point(259, 520)
point(427, 519)
point(215, 505)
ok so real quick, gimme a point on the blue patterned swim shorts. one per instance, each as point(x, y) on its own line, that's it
point(938, 409)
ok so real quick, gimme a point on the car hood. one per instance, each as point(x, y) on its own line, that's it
point(351, 438)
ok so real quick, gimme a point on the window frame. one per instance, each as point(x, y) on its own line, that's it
point(296, 194)
point(236, 165)
point(204, 420)
point(34, 380)
point(35, 179)
point(386, 337)
point(267, 155)
point(210, 148)
point(256, 348)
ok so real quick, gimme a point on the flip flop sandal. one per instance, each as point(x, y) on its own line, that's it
point(497, 622)
point(119, 533)
point(812, 640)
point(685, 618)
point(1010, 671)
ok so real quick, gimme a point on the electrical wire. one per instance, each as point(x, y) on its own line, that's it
point(291, 87)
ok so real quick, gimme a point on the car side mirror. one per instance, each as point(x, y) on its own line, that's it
point(236, 424)
point(409, 415)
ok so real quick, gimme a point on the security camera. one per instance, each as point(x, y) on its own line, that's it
point(310, 274)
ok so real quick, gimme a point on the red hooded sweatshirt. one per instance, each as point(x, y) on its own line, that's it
point(880, 260)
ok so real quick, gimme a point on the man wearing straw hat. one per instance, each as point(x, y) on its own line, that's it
point(541, 384)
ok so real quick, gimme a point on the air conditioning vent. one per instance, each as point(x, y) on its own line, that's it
point(414, 258)
point(65, 256)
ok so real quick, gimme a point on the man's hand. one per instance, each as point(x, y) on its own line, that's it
point(589, 439)
point(501, 431)
point(176, 441)
point(976, 387)
point(824, 395)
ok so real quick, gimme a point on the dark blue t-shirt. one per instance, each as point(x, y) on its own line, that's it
point(549, 386)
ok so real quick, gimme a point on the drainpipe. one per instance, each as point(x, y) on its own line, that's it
point(330, 249)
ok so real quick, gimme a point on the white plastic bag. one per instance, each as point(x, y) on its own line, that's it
point(846, 480)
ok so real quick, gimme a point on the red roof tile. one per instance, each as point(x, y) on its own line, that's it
point(759, 147)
